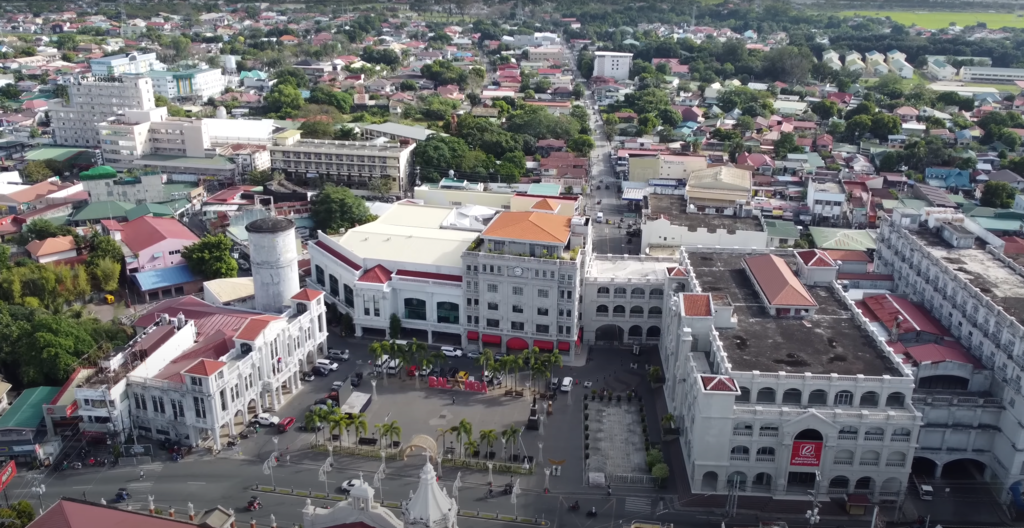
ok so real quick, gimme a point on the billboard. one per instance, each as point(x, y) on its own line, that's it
point(7, 475)
point(807, 454)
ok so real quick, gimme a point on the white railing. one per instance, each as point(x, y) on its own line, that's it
point(900, 439)
point(896, 416)
point(741, 458)
point(869, 463)
point(873, 437)
point(601, 314)
point(848, 437)
point(895, 464)
point(768, 434)
point(764, 458)
point(843, 461)
point(741, 432)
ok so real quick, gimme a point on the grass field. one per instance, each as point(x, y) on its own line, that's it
point(941, 19)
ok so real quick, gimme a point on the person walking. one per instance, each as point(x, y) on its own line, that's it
point(142, 474)
point(453, 400)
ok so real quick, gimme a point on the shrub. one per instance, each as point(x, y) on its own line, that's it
point(654, 457)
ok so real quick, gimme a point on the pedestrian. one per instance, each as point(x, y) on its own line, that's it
point(453, 400)
point(142, 474)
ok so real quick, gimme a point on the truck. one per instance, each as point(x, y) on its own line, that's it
point(356, 403)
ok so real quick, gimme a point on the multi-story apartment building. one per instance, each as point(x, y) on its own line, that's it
point(956, 270)
point(195, 83)
point(826, 199)
point(94, 100)
point(247, 157)
point(138, 133)
point(348, 163)
point(624, 297)
point(130, 63)
point(992, 75)
point(524, 278)
point(612, 64)
point(782, 387)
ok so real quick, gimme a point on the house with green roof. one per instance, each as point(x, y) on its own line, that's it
point(23, 429)
point(781, 232)
point(148, 209)
point(832, 238)
point(97, 211)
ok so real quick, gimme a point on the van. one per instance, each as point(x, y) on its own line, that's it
point(384, 360)
point(600, 216)
point(393, 366)
point(554, 383)
point(926, 492)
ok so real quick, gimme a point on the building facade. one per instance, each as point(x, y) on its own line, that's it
point(95, 100)
point(129, 63)
point(197, 83)
point(613, 65)
point(352, 164)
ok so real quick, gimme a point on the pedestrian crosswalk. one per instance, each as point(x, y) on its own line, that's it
point(143, 485)
point(637, 504)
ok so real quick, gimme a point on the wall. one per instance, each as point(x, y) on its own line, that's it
point(644, 168)
point(58, 256)
point(148, 259)
point(662, 233)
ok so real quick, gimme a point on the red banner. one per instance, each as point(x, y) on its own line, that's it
point(445, 383)
point(806, 454)
point(7, 474)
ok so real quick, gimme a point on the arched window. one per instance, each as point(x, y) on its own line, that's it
point(743, 429)
point(320, 276)
point(839, 483)
point(620, 291)
point(843, 457)
point(636, 331)
point(656, 293)
point(333, 286)
point(602, 309)
point(415, 309)
point(653, 332)
point(447, 312)
point(636, 311)
point(901, 435)
point(848, 432)
point(792, 396)
point(619, 309)
point(817, 397)
point(766, 451)
point(744, 396)
point(637, 293)
point(812, 435)
point(350, 297)
point(864, 484)
point(843, 399)
point(740, 453)
point(869, 458)
point(895, 399)
point(654, 312)
point(869, 399)
point(766, 395)
point(603, 290)
point(896, 459)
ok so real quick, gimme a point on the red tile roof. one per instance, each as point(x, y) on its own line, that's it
point(376, 275)
point(1014, 245)
point(719, 384)
point(777, 282)
point(337, 254)
point(885, 308)
point(845, 255)
point(814, 258)
point(111, 225)
point(944, 350)
point(429, 276)
point(146, 231)
point(697, 304)
point(205, 367)
point(676, 271)
point(307, 295)
point(207, 317)
point(72, 513)
point(255, 326)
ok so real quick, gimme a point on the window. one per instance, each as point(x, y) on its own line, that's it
point(492, 288)
point(137, 404)
point(200, 405)
point(334, 286)
point(156, 408)
point(843, 399)
point(448, 313)
point(493, 306)
point(543, 329)
point(376, 306)
point(196, 382)
point(320, 275)
point(366, 305)
point(493, 323)
point(517, 308)
point(542, 293)
point(542, 312)
point(516, 325)
point(517, 290)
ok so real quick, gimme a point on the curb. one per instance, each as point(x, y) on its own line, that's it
point(310, 494)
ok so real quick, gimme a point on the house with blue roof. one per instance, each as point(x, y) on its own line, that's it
point(948, 178)
point(963, 137)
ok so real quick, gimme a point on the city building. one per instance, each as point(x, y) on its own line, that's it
point(625, 296)
point(826, 199)
point(247, 157)
point(104, 184)
point(350, 164)
point(396, 132)
point(126, 63)
point(151, 242)
point(95, 100)
point(991, 75)
point(613, 65)
point(195, 83)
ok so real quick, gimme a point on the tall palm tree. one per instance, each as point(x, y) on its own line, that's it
point(392, 430)
point(486, 361)
point(508, 435)
point(322, 416)
point(465, 432)
point(336, 421)
point(378, 350)
point(516, 363)
point(377, 431)
point(403, 356)
point(359, 424)
point(347, 421)
point(504, 365)
point(417, 352)
point(433, 359)
point(530, 357)
point(488, 437)
point(444, 439)
point(471, 446)
point(312, 421)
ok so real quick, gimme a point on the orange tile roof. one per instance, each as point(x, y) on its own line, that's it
point(777, 282)
point(534, 227)
point(847, 255)
point(697, 304)
point(307, 295)
point(718, 384)
point(814, 258)
point(205, 367)
point(375, 275)
point(50, 246)
point(545, 205)
point(254, 327)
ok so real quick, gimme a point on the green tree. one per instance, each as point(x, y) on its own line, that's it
point(529, 94)
point(41, 229)
point(438, 154)
point(660, 472)
point(786, 144)
point(210, 257)
point(291, 75)
point(787, 63)
point(885, 125)
point(408, 85)
point(67, 41)
point(998, 195)
point(106, 273)
point(317, 129)
point(346, 133)
point(578, 91)
point(865, 108)
point(825, 109)
point(745, 123)
point(379, 186)
point(10, 92)
point(325, 95)
point(103, 248)
point(581, 145)
point(283, 98)
point(512, 167)
point(395, 326)
point(670, 117)
point(336, 208)
point(36, 171)
point(444, 73)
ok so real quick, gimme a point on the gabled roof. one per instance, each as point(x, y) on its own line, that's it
point(205, 367)
point(376, 275)
point(676, 271)
point(307, 295)
point(255, 326)
point(545, 205)
point(147, 231)
point(697, 304)
point(207, 317)
point(50, 246)
point(719, 384)
point(777, 282)
point(886, 308)
point(845, 255)
point(73, 513)
point(813, 258)
point(534, 227)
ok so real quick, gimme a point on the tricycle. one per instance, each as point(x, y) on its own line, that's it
point(247, 432)
point(122, 495)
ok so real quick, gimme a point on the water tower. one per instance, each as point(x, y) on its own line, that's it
point(275, 262)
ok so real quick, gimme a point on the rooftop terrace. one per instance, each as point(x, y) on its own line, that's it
point(830, 342)
point(673, 208)
point(621, 268)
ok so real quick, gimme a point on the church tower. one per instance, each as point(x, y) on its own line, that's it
point(430, 506)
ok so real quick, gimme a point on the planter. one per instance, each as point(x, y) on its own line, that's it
point(618, 398)
point(586, 406)
point(586, 416)
point(669, 433)
point(601, 397)
point(517, 394)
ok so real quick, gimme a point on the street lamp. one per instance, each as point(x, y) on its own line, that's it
point(40, 489)
point(812, 514)
point(268, 466)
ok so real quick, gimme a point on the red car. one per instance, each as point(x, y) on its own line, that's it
point(411, 371)
point(285, 424)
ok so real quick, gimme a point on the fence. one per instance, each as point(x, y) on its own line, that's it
point(622, 479)
point(393, 454)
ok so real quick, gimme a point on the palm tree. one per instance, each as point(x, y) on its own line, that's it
point(488, 437)
point(417, 353)
point(336, 421)
point(508, 435)
point(668, 420)
point(432, 359)
point(471, 446)
point(313, 422)
point(530, 357)
point(392, 431)
point(505, 364)
point(515, 362)
point(377, 432)
point(403, 355)
point(359, 424)
point(465, 430)
point(486, 361)
point(322, 415)
point(378, 350)
point(346, 423)
point(540, 370)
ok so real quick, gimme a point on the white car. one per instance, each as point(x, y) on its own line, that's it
point(451, 351)
point(474, 354)
point(266, 419)
point(340, 355)
point(337, 385)
point(566, 384)
point(327, 364)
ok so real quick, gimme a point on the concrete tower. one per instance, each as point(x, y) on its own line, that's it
point(275, 262)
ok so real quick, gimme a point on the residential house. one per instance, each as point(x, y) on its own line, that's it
point(906, 113)
point(1009, 177)
point(151, 242)
point(52, 249)
point(938, 69)
point(949, 178)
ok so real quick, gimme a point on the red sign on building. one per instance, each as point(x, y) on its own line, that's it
point(7, 474)
point(806, 454)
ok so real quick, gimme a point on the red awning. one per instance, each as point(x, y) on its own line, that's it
point(543, 345)
point(517, 343)
point(491, 339)
point(563, 346)
point(473, 335)
point(579, 336)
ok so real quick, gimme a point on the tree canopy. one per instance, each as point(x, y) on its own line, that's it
point(336, 208)
point(210, 257)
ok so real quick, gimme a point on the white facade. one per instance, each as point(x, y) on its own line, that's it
point(612, 64)
point(993, 75)
point(144, 188)
point(275, 262)
point(135, 134)
point(131, 63)
point(199, 83)
point(95, 101)
point(826, 199)
point(348, 163)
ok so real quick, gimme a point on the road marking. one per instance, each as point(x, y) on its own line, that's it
point(82, 487)
point(638, 505)
point(197, 483)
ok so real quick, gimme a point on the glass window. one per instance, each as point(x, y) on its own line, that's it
point(492, 288)
point(349, 296)
point(542, 293)
point(517, 290)
point(448, 313)
point(517, 308)
point(493, 323)
point(543, 312)
point(516, 325)
point(320, 275)
point(334, 286)
point(493, 306)
point(543, 329)
point(415, 309)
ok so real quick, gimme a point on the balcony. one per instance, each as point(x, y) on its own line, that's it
point(742, 432)
point(601, 314)
point(768, 434)
point(619, 316)
point(740, 458)
point(843, 462)
point(764, 458)
point(900, 439)
point(895, 464)
point(848, 437)
point(869, 463)
point(656, 297)
point(636, 316)
point(620, 296)
point(874, 437)
point(603, 296)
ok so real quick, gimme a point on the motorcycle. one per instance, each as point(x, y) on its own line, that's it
point(76, 465)
point(592, 512)
point(574, 506)
point(254, 504)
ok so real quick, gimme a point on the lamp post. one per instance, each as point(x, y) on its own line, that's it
point(540, 454)
point(328, 465)
point(40, 489)
point(268, 466)
point(373, 383)
point(812, 514)
point(490, 473)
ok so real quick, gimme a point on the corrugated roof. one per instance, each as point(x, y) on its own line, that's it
point(207, 317)
point(777, 282)
point(27, 411)
point(101, 210)
point(533, 227)
point(69, 513)
point(146, 231)
point(231, 289)
point(164, 278)
point(885, 308)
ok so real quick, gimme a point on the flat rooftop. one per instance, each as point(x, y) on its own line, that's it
point(623, 267)
point(409, 233)
point(830, 342)
point(673, 207)
point(991, 277)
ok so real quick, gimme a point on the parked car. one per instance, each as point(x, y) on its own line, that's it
point(434, 372)
point(285, 424)
point(356, 379)
point(567, 384)
point(315, 407)
point(327, 364)
point(452, 372)
point(474, 354)
point(452, 351)
point(411, 371)
point(320, 371)
point(308, 376)
point(340, 355)
point(266, 419)
point(323, 401)
point(337, 385)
